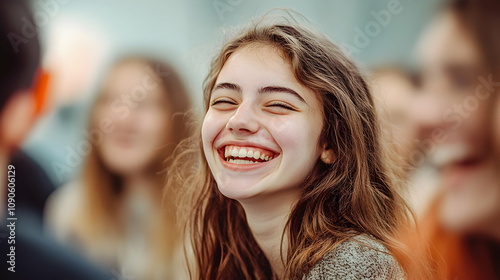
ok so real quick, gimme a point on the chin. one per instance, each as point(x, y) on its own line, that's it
point(126, 166)
point(238, 190)
point(463, 221)
point(454, 223)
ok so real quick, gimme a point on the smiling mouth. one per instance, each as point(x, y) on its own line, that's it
point(245, 155)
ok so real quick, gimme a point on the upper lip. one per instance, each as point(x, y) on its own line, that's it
point(245, 144)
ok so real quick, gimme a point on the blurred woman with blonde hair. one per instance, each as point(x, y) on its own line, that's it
point(114, 212)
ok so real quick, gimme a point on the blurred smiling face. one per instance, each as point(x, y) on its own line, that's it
point(260, 134)
point(455, 103)
point(141, 126)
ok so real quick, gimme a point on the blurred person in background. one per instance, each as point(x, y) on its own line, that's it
point(71, 42)
point(25, 251)
point(113, 212)
point(459, 127)
point(20, 60)
point(394, 92)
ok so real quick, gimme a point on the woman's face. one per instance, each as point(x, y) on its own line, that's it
point(133, 107)
point(261, 131)
point(455, 113)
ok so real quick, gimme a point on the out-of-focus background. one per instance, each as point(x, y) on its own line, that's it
point(124, 76)
point(81, 38)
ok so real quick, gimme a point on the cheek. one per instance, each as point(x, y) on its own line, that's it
point(287, 133)
point(158, 125)
point(298, 138)
point(101, 113)
point(213, 124)
point(478, 120)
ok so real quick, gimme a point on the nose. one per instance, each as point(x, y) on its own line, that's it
point(244, 120)
point(125, 120)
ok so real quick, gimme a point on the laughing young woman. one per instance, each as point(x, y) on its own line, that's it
point(286, 178)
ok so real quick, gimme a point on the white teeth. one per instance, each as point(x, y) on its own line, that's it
point(242, 153)
point(448, 154)
point(234, 152)
point(231, 151)
point(256, 155)
point(241, 161)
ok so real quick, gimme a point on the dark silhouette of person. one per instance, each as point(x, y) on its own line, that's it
point(26, 252)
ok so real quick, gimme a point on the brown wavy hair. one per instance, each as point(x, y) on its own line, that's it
point(356, 194)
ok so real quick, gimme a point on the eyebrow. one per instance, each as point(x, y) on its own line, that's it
point(271, 89)
point(227, 86)
point(262, 90)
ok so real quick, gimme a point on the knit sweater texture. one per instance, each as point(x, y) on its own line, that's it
point(359, 258)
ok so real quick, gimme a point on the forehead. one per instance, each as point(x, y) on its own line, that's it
point(132, 76)
point(447, 41)
point(260, 60)
point(129, 68)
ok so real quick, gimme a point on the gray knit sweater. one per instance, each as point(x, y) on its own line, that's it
point(360, 258)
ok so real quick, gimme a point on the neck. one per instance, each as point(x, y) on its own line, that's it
point(267, 218)
point(139, 183)
point(141, 200)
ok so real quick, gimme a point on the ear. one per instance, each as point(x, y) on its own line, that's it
point(16, 119)
point(327, 155)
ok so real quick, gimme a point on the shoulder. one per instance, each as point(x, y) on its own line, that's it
point(61, 207)
point(361, 257)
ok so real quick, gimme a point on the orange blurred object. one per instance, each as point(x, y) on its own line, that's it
point(40, 87)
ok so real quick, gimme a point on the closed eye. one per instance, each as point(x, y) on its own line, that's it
point(223, 104)
point(223, 100)
point(282, 105)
